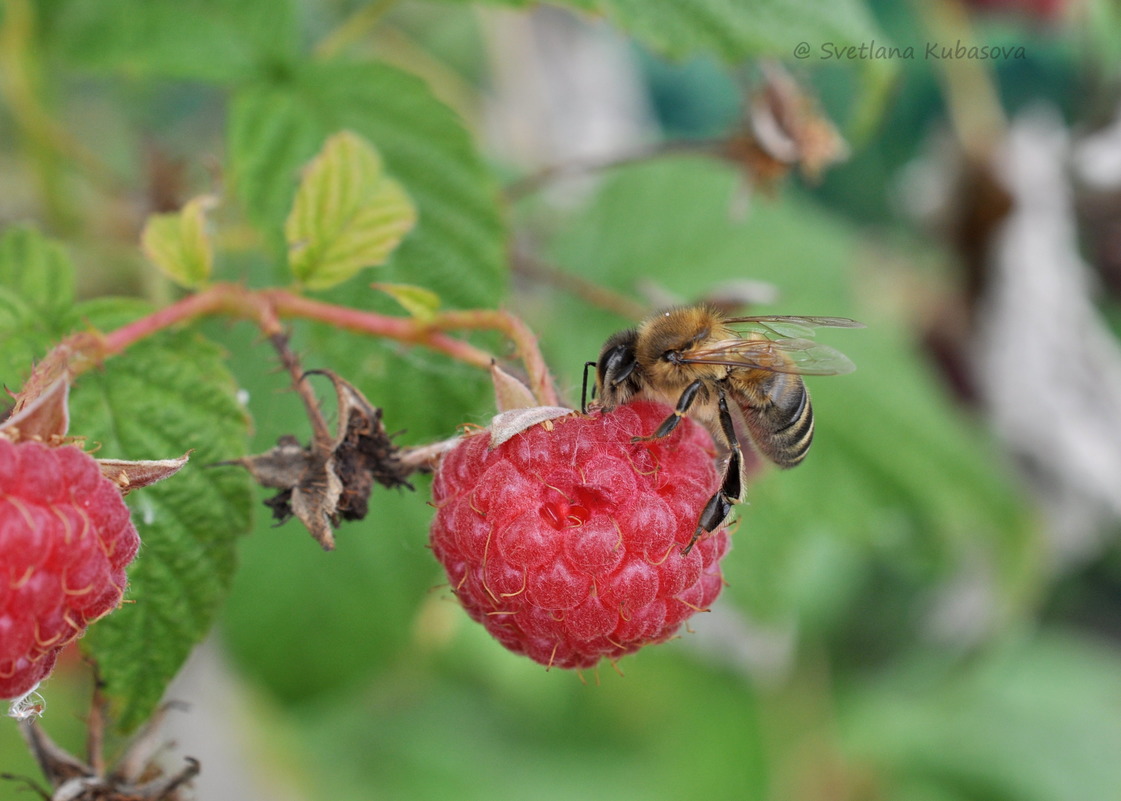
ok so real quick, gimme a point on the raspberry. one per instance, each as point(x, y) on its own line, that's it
point(65, 539)
point(566, 541)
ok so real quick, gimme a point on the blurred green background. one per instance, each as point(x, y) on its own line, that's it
point(927, 610)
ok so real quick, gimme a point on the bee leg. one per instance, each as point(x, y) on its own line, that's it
point(584, 390)
point(717, 509)
point(719, 506)
point(670, 423)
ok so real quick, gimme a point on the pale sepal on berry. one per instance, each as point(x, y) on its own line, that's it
point(509, 392)
point(40, 413)
point(517, 408)
point(505, 425)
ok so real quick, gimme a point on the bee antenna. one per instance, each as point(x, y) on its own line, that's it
point(584, 389)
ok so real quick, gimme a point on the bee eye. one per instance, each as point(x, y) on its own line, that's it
point(617, 365)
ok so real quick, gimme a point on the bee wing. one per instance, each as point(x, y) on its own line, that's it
point(790, 326)
point(787, 355)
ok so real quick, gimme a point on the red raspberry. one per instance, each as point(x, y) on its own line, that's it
point(65, 539)
point(566, 540)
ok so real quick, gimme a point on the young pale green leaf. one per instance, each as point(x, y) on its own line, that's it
point(416, 300)
point(347, 214)
point(179, 244)
point(167, 395)
point(458, 246)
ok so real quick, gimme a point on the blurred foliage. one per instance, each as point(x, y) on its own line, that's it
point(845, 660)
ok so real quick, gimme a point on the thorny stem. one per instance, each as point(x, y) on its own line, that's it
point(292, 364)
point(267, 307)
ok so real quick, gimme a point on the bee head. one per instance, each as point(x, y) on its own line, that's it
point(616, 381)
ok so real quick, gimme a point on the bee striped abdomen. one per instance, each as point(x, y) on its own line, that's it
point(781, 420)
point(795, 437)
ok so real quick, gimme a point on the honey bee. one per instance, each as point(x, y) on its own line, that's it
point(739, 376)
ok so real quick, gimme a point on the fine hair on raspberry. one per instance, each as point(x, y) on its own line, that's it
point(566, 541)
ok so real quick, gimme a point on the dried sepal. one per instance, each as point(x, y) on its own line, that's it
point(130, 475)
point(364, 452)
point(315, 502)
point(330, 480)
point(282, 467)
point(785, 129)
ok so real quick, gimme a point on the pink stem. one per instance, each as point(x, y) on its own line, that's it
point(267, 307)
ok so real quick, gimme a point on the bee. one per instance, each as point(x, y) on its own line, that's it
point(739, 376)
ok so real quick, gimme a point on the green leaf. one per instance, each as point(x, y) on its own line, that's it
point(458, 246)
point(347, 214)
point(165, 396)
point(739, 29)
point(179, 244)
point(211, 40)
point(896, 477)
point(36, 300)
point(37, 270)
point(21, 339)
